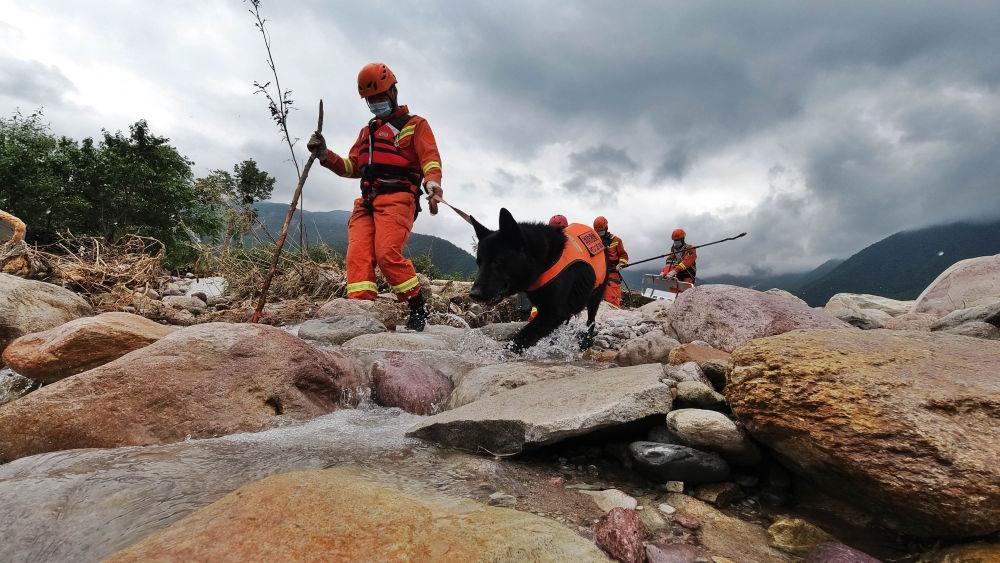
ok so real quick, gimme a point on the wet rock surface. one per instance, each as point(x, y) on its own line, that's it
point(650, 348)
point(494, 379)
point(410, 384)
point(81, 344)
point(902, 422)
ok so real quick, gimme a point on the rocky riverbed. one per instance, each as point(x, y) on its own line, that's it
point(732, 425)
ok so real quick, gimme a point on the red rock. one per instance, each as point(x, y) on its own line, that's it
point(687, 522)
point(400, 380)
point(836, 552)
point(698, 354)
point(208, 380)
point(80, 344)
point(621, 533)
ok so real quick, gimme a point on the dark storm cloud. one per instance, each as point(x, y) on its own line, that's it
point(504, 183)
point(33, 83)
point(597, 173)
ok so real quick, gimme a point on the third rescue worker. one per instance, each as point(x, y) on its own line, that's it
point(617, 259)
point(393, 155)
point(681, 263)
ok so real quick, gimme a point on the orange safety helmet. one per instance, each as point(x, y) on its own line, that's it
point(558, 221)
point(375, 78)
point(600, 223)
point(678, 234)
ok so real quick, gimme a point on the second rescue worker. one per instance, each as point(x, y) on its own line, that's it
point(617, 259)
point(393, 155)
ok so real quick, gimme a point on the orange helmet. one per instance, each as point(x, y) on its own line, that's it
point(558, 221)
point(600, 223)
point(678, 234)
point(375, 78)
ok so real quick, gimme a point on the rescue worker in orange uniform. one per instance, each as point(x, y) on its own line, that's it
point(617, 258)
point(395, 156)
point(682, 263)
point(555, 221)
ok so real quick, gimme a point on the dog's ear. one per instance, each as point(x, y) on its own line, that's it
point(509, 228)
point(481, 231)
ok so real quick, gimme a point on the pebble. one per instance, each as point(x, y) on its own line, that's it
point(687, 522)
point(667, 509)
point(502, 499)
point(674, 486)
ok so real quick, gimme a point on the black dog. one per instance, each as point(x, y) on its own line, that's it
point(512, 258)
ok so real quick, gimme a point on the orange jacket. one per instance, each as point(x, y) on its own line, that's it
point(682, 261)
point(616, 253)
point(583, 244)
point(416, 141)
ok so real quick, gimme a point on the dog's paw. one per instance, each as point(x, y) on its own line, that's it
point(586, 340)
point(515, 347)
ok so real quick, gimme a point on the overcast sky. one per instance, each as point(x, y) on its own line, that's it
point(818, 127)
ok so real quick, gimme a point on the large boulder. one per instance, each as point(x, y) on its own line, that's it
point(967, 283)
point(338, 330)
point(548, 411)
point(494, 379)
point(80, 344)
point(208, 380)
point(727, 316)
point(399, 380)
point(340, 514)
point(787, 295)
point(975, 329)
point(28, 306)
point(650, 348)
point(903, 422)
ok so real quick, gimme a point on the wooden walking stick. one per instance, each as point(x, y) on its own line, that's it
point(284, 229)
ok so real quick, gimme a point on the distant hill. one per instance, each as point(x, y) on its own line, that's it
point(902, 265)
point(331, 228)
point(899, 266)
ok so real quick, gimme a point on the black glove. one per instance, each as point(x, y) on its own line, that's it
point(317, 145)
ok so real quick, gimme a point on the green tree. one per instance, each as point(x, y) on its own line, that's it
point(136, 183)
point(233, 195)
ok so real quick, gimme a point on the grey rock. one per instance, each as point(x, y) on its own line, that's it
point(976, 329)
point(200, 295)
point(672, 462)
point(714, 431)
point(502, 499)
point(187, 303)
point(28, 306)
point(983, 313)
point(398, 341)
point(699, 395)
point(688, 371)
point(842, 301)
point(650, 348)
point(494, 379)
point(336, 331)
point(546, 412)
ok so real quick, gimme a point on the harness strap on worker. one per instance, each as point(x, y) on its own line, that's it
point(378, 178)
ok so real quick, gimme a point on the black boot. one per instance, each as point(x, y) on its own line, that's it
point(418, 314)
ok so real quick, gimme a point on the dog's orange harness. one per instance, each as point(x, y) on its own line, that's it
point(583, 244)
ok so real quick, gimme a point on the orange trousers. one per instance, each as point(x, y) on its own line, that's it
point(613, 293)
point(378, 238)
